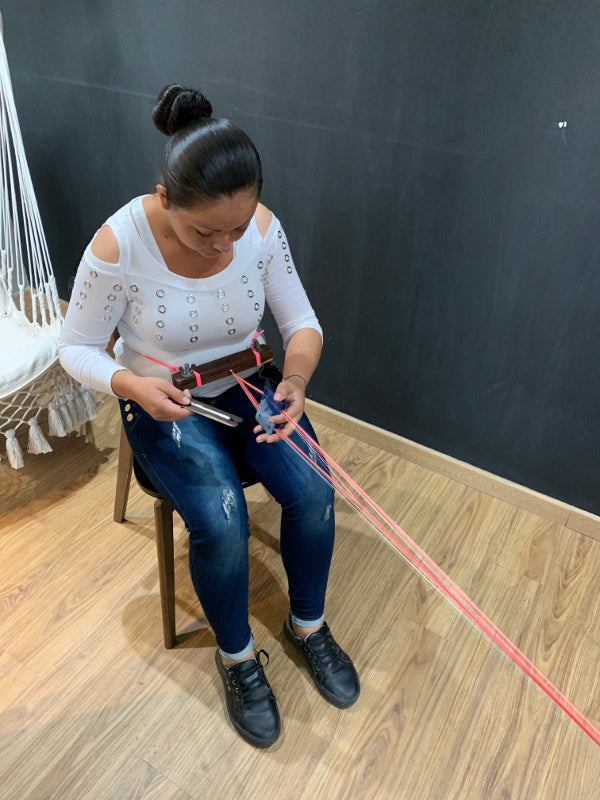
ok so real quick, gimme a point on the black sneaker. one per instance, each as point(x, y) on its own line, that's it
point(332, 670)
point(251, 704)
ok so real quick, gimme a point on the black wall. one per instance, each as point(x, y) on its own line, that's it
point(445, 226)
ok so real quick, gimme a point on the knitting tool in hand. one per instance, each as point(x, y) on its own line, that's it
point(268, 407)
point(231, 420)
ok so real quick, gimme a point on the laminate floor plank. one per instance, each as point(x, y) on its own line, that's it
point(93, 707)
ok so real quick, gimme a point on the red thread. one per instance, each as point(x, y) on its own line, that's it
point(162, 363)
point(430, 570)
point(256, 351)
point(175, 369)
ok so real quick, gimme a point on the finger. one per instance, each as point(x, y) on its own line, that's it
point(172, 411)
point(176, 414)
point(279, 419)
point(179, 396)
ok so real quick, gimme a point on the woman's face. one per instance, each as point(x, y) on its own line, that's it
point(211, 228)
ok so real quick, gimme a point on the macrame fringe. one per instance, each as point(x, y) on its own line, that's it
point(91, 401)
point(77, 408)
point(13, 450)
point(37, 442)
point(56, 426)
point(65, 413)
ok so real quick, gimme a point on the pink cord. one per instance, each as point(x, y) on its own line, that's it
point(427, 567)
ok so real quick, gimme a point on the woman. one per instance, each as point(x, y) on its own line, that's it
point(184, 274)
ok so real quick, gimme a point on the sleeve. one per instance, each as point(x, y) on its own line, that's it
point(284, 292)
point(97, 304)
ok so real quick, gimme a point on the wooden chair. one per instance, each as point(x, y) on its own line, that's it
point(163, 522)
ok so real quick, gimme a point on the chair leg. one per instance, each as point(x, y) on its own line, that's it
point(124, 468)
point(163, 515)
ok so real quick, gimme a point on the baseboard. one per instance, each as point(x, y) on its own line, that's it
point(544, 506)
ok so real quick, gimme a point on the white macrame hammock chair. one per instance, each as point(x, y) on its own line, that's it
point(31, 379)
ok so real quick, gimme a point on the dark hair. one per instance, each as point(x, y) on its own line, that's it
point(205, 158)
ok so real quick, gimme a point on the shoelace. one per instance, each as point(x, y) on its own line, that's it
point(323, 649)
point(250, 683)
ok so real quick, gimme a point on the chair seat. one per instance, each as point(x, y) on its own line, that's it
point(26, 352)
point(143, 480)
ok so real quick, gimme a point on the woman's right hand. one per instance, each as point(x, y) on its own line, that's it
point(157, 396)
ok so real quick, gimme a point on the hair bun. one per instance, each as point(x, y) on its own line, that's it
point(177, 107)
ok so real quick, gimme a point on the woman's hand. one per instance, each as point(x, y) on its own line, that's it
point(163, 401)
point(291, 391)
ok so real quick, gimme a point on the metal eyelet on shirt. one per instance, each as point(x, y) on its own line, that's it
point(193, 338)
point(83, 295)
point(231, 331)
point(133, 287)
point(244, 279)
point(287, 258)
point(93, 273)
point(269, 258)
point(158, 336)
point(108, 308)
point(190, 298)
point(289, 269)
point(160, 292)
point(111, 297)
point(160, 323)
point(260, 264)
point(250, 293)
point(162, 309)
point(220, 294)
point(224, 307)
point(117, 287)
point(229, 321)
point(256, 306)
point(78, 305)
point(107, 317)
point(193, 327)
point(87, 284)
point(193, 313)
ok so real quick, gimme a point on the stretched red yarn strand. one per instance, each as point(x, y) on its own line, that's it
point(428, 568)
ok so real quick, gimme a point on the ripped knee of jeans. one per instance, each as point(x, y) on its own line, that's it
point(228, 502)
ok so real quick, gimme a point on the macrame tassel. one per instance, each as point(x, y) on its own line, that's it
point(78, 409)
point(64, 410)
point(13, 450)
point(56, 425)
point(91, 402)
point(37, 442)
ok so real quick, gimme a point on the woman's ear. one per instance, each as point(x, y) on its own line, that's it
point(162, 196)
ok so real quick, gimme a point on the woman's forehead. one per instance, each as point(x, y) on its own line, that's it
point(224, 213)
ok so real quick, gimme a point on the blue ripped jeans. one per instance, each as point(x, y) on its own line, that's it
point(196, 465)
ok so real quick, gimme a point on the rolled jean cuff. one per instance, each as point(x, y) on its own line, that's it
point(242, 653)
point(307, 623)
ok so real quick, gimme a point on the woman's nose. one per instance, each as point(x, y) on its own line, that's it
point(222, 243)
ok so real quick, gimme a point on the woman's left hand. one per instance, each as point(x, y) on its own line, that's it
point(291, 391)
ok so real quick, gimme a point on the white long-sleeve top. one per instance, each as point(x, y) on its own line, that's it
point(174, 319)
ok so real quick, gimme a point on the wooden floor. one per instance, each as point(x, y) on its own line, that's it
point(92, 706)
